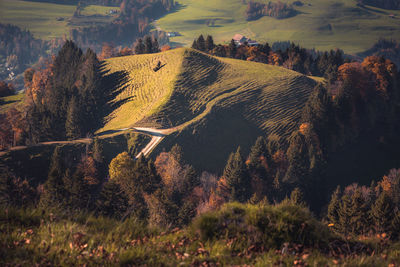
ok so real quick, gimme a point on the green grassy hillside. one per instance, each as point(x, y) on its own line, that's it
point(321, 24)
point(211, 104)
point(48, 20)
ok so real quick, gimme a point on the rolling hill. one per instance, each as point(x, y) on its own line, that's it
point(210, 104)
point(319, 24)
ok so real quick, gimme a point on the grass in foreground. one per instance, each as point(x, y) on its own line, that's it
point(235, 235)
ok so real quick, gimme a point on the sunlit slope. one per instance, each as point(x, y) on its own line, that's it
point(192, 84)
point(149, 90)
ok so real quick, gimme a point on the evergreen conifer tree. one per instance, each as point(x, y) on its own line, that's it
point(296, 197)
point(359, 219)
point(148, 45)
point(112, 200)
point(383, 212)
point(232, 49)
point(54, 191)
point(236, 177)
point(72, 123)
point(209, 43)
point(139, 47)
point(156, 47)
point(194, 44)
point(333, 209)
point(345, 214)
point(201, 43)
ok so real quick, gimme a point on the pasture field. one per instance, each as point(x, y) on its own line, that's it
point(9, 101)
point(47, 20)
point(320, 24)
point(210, 104)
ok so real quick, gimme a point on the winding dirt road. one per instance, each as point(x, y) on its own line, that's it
point(157, 136)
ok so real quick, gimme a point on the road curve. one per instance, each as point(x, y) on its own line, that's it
point(157, 136)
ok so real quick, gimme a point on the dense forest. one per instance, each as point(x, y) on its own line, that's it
point(279, 10)
point(66, 99)
point(386, 4)
point(18, 49)
point(286, 54)
point(389, 49)
point(133, 22)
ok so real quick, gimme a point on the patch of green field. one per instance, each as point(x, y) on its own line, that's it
point(40, 18)
point(97, 10)
point(48, 20)
point(320, 24)
point(9, 101)
point(213, 104)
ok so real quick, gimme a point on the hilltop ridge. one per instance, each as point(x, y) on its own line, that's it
point(206, 100)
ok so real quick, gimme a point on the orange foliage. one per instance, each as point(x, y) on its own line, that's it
point(107, 51)
point(275, 59)
point(304, 128)
point(165, 48)
point(359, 79)
point(38, 85)
point(385, 184)
point(382, 69)
point(126, 51)
point(88, 167)
point(169, 169)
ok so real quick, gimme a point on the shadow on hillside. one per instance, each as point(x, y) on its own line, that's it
point(112, 85)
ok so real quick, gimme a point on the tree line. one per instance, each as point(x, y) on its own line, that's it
point(65, 100)
point(279, 10)
point(133, 21)
point(386, 4)
point(290, 55)
point(18, 49)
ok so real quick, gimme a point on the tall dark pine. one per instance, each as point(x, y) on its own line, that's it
point(72, 123)
point(232, 49)
point(194, 44)
point(382, 213)
point(92, 93)
point(237, 179)
point(139, 47)
point(156, 47)
point(333, 208)
point(297, 153)
point(209, 43)
point(201, 43)
point(112, 201)
point(148, 45)
point(54, 191)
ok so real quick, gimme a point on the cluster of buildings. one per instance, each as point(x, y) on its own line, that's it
point(241, 40)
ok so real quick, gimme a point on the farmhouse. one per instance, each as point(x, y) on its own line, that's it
point(241, 40)
point(173, 34)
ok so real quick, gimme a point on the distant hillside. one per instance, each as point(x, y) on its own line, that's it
point(323, 25)
point(213, 104)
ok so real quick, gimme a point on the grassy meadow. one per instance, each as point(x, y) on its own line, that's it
point(47, 20)
point(319, 24)
point(235, 235)
point(9, 101)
